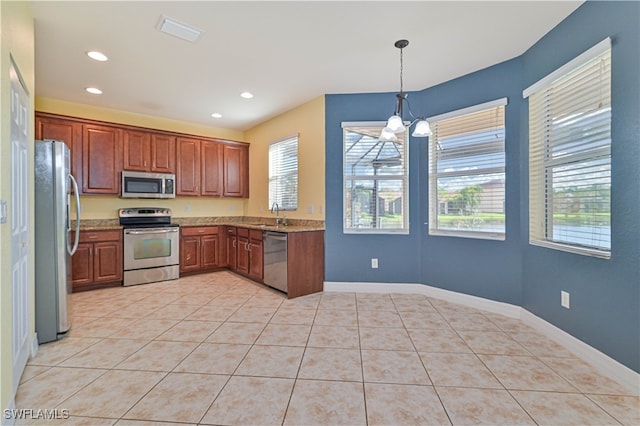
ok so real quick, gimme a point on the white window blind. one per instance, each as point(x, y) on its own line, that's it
point(467, 172)
point(283, 173)
point(570, 156)
point(375, 180)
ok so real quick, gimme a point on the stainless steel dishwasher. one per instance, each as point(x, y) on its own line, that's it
point(275, 260)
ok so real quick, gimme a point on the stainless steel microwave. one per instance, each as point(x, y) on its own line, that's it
point(148, 185)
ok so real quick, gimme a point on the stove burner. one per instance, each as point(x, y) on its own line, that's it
point(144, 217)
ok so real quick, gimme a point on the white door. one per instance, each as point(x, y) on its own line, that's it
point(19, 222)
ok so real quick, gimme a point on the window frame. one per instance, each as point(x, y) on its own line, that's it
point(403, 178)
point(542, 162)
point(434, 175)
point(277, 198)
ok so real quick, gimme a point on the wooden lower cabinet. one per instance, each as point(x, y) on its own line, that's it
point(242, 250)
point(305, 263)
point(199, 249)
point(231, 245)
point(249, 253)
point(98, 260)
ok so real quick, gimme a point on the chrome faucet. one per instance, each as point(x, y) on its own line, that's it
point(277, 209)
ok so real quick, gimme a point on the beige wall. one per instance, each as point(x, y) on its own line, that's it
point(17, 35)
point(101, 207)
point(307, 121)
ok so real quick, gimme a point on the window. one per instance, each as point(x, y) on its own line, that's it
point(570, 155)
point(283, 173)
point(375, 180)
point(466, 172)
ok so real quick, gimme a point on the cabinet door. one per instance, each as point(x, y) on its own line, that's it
point(211, 173)
point(236, 169)
point(209, 251)
point(82, 265)
point(232, 248)
point(188, 166)
point(163, 153)
point(101, 159)
point(256, 264)
point(63, 130)
point(242, 259)
point(107, 262)
point(190, 254)
point(135, 146)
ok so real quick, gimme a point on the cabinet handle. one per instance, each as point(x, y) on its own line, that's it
point(234, 243)
point(90, 251)
point(145, 163)
point(249, 248)
point(91, 237)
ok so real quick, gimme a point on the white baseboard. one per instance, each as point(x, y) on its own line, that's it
point(506, 309)
point(34, 345)
point(605, 364)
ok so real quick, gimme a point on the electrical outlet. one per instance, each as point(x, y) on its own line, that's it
point(320, 209)
point(187, 208)
point(310, 209)
point(374, 263)
point(564, 299)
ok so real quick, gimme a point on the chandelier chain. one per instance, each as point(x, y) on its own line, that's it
point(401, 71)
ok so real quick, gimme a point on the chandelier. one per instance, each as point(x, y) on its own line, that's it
point(395, 123)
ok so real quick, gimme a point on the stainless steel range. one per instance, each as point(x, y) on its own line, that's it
point(151, 245)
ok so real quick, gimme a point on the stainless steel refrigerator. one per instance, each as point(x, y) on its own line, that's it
point(53, 183)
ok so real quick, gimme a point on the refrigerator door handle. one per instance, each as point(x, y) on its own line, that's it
point(77, 194)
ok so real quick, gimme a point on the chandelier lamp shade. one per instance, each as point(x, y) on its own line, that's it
point(395, 123)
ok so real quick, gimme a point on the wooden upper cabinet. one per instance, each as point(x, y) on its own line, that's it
point(236, 171)
point(188, 166)
point(163, 153)
point(101, 159)
point(211, 173)
point(100, 151)
point(148, 152)
point(136, 147)
point(63, 130)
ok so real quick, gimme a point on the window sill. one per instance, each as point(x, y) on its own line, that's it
point(572, 249)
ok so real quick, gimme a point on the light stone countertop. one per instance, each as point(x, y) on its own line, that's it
point(262, 223)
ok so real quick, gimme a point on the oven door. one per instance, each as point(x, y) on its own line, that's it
point(151, 247)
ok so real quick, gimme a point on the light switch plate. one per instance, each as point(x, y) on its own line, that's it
point(3, 211)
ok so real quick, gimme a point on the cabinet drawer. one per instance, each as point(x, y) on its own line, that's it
point(255, 235)
point(92, 236)
point(243, 232)
point(200, 230)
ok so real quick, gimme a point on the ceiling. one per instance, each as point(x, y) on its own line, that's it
point(285, 53)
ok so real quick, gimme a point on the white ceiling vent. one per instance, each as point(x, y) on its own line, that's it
point(178, 29)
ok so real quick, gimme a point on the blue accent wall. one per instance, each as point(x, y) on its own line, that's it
point(605, 294)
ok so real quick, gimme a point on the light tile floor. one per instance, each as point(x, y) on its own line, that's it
point(217, 349)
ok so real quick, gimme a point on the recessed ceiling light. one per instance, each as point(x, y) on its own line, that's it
point(246, 95)
point(178, 29)
point(216, 115)
point(94, 90)
point(98, 56)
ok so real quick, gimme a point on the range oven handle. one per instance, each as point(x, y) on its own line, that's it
point(154, 231)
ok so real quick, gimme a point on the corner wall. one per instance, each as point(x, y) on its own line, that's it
point(307, 121)
point(18, 42)
point(605, 293)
